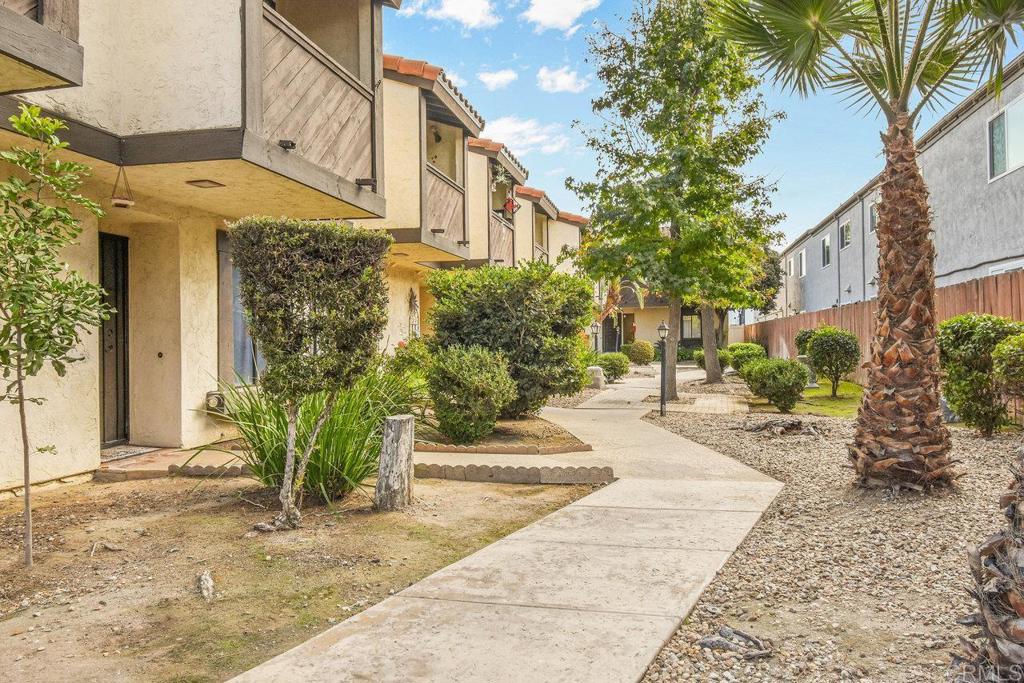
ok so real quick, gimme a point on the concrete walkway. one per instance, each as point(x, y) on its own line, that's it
point(589, 593)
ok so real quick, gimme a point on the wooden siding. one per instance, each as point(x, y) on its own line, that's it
point(309, 98)
point(445, 206)
point(60, 16)
point(996, 294)
point(501, 235)
point(28, 8)
point(540, 255)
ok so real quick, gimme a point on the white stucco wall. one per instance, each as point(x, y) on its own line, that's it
point(562, 235)
point(156, 66)
point(478, 192)
point(523, 223)
point(401, 318)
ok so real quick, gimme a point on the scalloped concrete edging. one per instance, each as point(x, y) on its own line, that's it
point(514, 449)
point(209, 470)
point(517, 475)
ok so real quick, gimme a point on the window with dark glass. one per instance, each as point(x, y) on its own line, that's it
point(845, 235)
point(1006, 140)
point(826, 251)
point(690, 326)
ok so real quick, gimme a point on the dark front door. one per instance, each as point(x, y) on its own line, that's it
point(114, 341)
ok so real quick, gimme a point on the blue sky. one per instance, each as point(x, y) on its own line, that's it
point(522, 65)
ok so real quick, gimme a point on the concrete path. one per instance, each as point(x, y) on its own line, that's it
point(589, 593)
point(714, 404)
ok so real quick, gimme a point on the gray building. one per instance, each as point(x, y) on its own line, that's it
point(973, 163)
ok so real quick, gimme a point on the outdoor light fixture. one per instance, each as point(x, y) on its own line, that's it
point(204, 183)
point(286, 145)
point(437, 231)
point(463, 243)
point(595, 327)
point(663, 334)
point(498, 260)
point(367, 182)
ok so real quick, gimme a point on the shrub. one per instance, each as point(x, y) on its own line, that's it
point(779, 380)
point(614, 364)
point(640, 352)
point(468, 387)
point(743, 352)
point(803, 338)
point(966, 345)
point(348, 444)
point(698, 358)
point(412, 356)
point(533, 315)
point(833, 352)
point(724, 358)
point(1008, 365)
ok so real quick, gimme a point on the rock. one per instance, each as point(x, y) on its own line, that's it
point(204, 582)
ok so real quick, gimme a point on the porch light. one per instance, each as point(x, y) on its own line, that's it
point(663, 331)
point(595, 327)
point(122, 196)
point(204, 183)
point(286, 145)
point(367, 182)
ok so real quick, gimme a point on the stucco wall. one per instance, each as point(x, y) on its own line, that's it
point(69, 419)
point(478, 193)
point(401, 157)
point(563, 235)
point(523, 223)
point(156, 66)
point(401, 317)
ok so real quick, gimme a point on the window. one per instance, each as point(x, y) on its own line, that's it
point(690, 326)
point(789, 266)
point(238, 360)
point(845, 235)
point(801, 261)
point(444, 150)
point(873, 219)
point(1006, 140)
point(826, 251)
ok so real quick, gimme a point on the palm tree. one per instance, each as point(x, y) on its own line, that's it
point(898, 57)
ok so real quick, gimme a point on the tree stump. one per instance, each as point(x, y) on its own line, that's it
point(394, 480)
point(596, 377)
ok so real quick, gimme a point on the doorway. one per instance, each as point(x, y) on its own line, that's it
point(114, 341)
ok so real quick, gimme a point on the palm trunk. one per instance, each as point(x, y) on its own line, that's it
point(671, 350)
point(900, 439)
point(709, 340)
point(25, 453)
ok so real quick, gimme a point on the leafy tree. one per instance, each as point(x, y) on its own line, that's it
point(767, 286)
point(670, 206)
point(833, 352)
point(316, 303)
point(898, 57)
point(44, 305)
point(533, 315)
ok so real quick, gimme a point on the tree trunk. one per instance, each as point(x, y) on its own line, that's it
point(290, 517)
point(709, 339)
point(307, 452)
point(394, 479)
point(25, 455)
point(900, 439)
point(671, 349)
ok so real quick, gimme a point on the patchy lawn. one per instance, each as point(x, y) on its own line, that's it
point(113, 596)
point(820, 402)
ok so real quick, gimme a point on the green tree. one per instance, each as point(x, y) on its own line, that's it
point(833, 352)
point(316, 303)
point(45, 306)
point(670, 206)
point(898, 57)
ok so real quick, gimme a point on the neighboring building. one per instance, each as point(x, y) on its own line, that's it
point(565, 234)
point(214, 110)
point(971, 161)
point(631, 321)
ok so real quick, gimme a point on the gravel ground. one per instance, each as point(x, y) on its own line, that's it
point(847, 585)
point(574, 400)
point(732, 385)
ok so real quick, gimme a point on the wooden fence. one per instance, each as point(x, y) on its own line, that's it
point(996, 294)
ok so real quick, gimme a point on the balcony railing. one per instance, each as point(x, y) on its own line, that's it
point(311, 100)
point(501, 235)
point(539, 254)
point(60, 16)
point(446, 201)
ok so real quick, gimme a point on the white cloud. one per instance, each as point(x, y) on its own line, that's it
point(457, 80)
point(496, 80)
point(558, 14)
point(469, 13)
point(561, 80)
point(523, 136)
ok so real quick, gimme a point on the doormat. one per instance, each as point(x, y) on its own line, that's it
point(122, 452)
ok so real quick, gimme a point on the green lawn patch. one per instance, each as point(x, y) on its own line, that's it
point(820, 402)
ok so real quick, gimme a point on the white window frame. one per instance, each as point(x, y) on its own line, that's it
point(873, 216)
point(988, 143)
point(1008, 267)
point(845, 225)
point(790, 268)
point(802, 262)
point(826, 246)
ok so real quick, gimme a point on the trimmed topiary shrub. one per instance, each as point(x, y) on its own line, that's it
point(532, 314)
point(803, 338)
point(614, 364)
point(966, 345)
point(833, 352)
point(640, 352)
point(779, 380)
point(468, 387)
point(1008, 365)
point(743, 352)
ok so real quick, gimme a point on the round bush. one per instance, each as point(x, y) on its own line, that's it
point(779, 380)
point(698, 357)
point(1008, 365)
point(966, 346)
point(411, 356)
point(614, 364)
point(744, 352)
point(803, 338)
point(469, 386)
point(833, 352)
point(640, 352)
point(724, 358)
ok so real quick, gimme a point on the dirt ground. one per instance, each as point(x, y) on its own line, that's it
point(530, 430)
point(113, 594)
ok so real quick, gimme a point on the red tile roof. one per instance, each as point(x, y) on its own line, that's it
point(573, 218)
point(531, 193)
point(417, 68)
point(497, 148)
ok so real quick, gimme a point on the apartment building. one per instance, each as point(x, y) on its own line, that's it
point(971, 160)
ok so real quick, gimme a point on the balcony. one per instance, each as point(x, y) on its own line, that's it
point(540, 254)
point(39, 47)
point(502, 241)
point(445, 216)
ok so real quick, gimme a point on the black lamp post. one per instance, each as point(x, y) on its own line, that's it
point(595, 328)
point(663, 333)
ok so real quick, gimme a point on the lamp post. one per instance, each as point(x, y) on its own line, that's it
point(663, 333)
point(595, 328)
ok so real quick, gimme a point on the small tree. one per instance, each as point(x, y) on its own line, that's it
point(803, 339)
point(44, 305)
point(316, 303)
point(833, 352)
point(533, 315)
point(1008, 365)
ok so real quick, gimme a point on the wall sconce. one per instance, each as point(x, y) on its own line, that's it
point(122, 196)
point(286, 145)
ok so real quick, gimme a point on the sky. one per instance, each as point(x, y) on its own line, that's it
point(523, 65)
